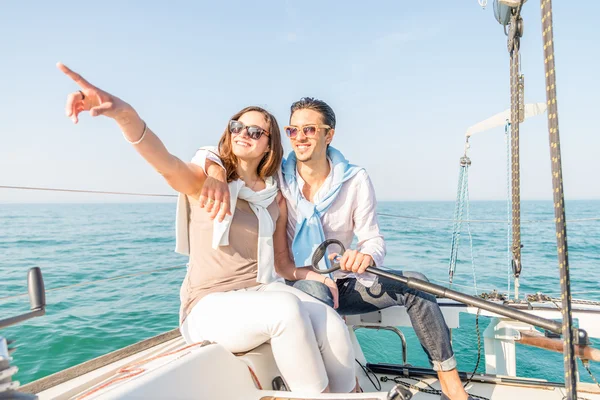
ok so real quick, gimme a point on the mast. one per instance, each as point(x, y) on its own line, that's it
point(559, 204)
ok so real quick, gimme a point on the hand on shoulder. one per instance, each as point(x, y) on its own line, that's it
point(214, 196)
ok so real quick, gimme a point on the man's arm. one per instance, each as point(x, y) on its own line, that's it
point(215, 186)
point(366, 223)
point(371, 246)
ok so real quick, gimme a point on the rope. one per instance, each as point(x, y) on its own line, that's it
point(586, 365)
point(437, 392)
point(97, 281)
point(541, 297)
point(570, 365)
point(398, 381)
point(430, 390)
point(478, 348)
point(469, 231)
point(368, 370)
point(514, 43)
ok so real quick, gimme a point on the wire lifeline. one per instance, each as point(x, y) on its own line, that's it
point(85, 283)
point(86, 191)
point(500, 221)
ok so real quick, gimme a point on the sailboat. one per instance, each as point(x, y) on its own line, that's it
point(165, 367)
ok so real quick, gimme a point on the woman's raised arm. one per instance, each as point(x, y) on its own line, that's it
point(184, 177)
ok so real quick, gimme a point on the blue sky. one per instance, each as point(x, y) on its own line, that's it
point(406, 80)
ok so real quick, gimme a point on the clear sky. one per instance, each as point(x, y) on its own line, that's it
point(406, 79)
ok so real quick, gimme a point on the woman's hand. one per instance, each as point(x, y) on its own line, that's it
point(95, 100)
point(330, 283)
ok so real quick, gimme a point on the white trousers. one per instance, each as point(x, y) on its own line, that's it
point(310, 341)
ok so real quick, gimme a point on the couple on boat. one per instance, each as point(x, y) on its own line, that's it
point(249, 221)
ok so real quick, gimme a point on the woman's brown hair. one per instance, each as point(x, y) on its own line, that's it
point(272, 159)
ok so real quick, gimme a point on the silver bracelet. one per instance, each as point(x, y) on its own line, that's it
point(140, 139)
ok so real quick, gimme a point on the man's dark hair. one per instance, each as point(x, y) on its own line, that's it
point(310, 103)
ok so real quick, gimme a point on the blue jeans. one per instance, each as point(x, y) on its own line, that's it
point(422, 308)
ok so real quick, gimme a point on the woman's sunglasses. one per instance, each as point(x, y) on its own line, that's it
point(253, 132)
point(308, 130)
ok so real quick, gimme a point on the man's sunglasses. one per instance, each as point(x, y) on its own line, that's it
point(308, 130)
point(254, 132)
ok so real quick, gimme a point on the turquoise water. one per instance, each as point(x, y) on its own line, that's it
point(84, 242)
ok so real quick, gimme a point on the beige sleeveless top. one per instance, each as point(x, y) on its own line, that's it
point(231, 267)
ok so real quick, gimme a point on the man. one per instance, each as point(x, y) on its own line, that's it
point(328, 198)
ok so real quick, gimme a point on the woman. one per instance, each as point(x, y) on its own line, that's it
point(231, 293)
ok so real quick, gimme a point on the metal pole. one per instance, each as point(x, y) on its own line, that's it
point(559, 204)
point(438, 290)
point(499, 309)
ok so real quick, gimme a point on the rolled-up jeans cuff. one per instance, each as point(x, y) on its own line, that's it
point(447, 365)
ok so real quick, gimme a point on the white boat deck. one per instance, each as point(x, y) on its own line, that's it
point(175, 371)
point(211, 372)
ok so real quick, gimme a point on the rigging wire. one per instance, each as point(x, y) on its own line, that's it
point(458, 215)
point(85, 283)
point(147, 272)
point(497, 221)
point(383, 214)
point(86, 191)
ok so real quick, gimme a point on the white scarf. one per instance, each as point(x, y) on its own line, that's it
point(258, 201)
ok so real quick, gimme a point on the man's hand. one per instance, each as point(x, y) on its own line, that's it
point(214, 197)
point(354, 261)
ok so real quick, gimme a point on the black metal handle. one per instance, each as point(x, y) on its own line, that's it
point(35, 284)
point(320, 253)
point(473, 301)
point(37, 299)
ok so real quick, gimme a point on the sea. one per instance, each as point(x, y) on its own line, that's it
point(112, 276)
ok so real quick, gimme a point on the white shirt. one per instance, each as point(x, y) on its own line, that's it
point(352, 213)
